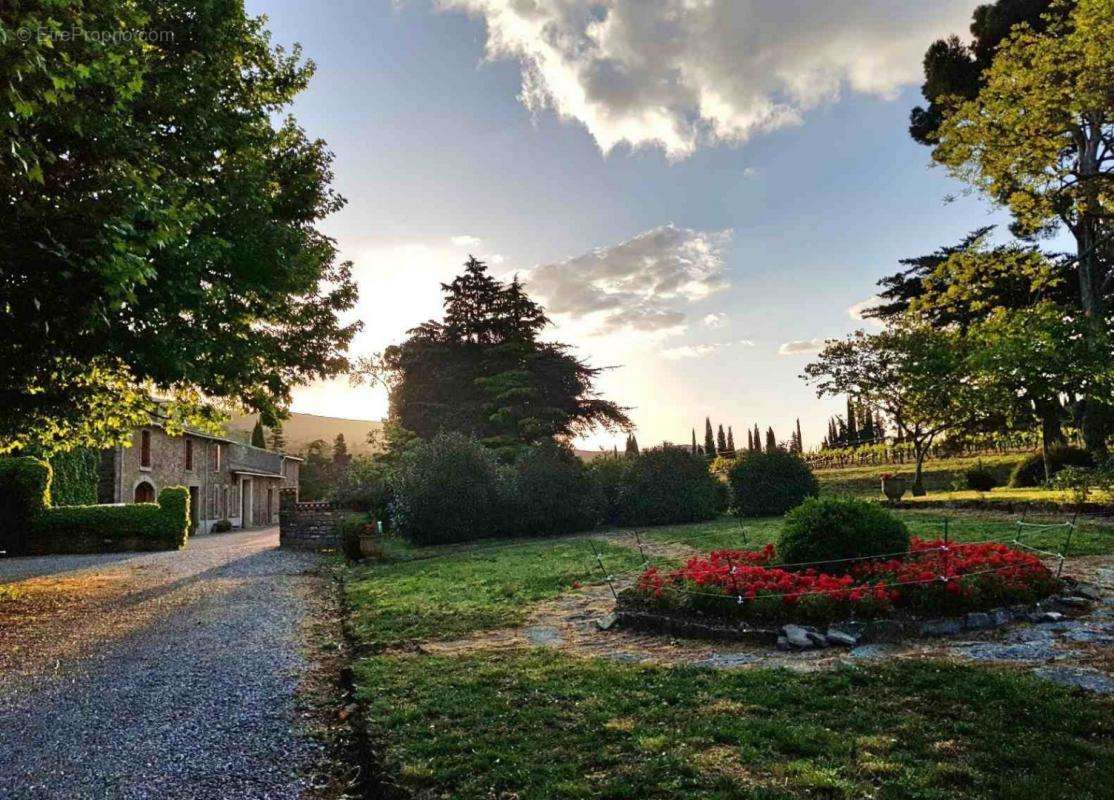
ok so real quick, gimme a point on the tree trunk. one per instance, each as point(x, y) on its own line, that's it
point(920, 450)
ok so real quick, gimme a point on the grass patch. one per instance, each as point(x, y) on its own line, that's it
point(470, 589)
point(533, 724)
point(939, 475)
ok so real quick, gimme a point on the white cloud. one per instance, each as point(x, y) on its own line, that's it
point(700, 350)
point(678, 73)
point(641, 284)
point(856, 311)
point(716, 320)
point(801, 346)
point(750, 172)
point(466, 241)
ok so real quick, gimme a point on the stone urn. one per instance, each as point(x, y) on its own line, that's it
point(893, 486)
point(370, 544)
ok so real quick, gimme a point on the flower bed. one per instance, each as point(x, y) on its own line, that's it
point(932, 579)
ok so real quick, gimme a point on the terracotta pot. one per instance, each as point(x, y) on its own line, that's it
point(893, 487)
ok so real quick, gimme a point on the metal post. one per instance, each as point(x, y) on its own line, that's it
point(641, 552)
point(603, 569)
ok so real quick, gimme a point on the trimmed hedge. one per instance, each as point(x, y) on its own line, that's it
point(74, 477)
point(979, 478)
point(138, 526)
point(666, 486)
point(829, 528)
point(24, 493)
point(1030, 471)
point(28, 523)
point(769, 484)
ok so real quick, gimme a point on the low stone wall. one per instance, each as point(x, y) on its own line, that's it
point(310, 526)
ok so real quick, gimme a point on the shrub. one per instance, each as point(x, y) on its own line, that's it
point(221, 526)
point(351, 528)
point(667, 485)
point(769, 484)
point(553, 492)
point(1082, 482)
point(74, 477)
point(609, 474)
point(829, 528)
point(24, 494)
point(1030, 471)
point(140, 526)
point(362, 487)
point(979, 478)
point(446, 490)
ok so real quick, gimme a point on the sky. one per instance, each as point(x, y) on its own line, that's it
point(699, 191)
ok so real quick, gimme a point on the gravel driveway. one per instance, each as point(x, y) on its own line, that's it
point(162, 675)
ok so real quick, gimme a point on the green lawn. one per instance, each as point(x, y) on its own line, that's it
point(529, 724)
point(939, 475)
point(532, 723)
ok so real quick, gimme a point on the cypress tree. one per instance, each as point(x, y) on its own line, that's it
point(632, 445)
point(771, 441)
point(694, 448)
point(278, 441)
point(757, 439)
point(800, 441)
point(721, 441)
point(750, 441)
point(852, 423)
point(257, 439)
point(709, 439)
point(730, 441)
point(866, 432)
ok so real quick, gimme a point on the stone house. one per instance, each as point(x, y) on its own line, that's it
point(226, 479)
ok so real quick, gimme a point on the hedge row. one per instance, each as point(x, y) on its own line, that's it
point(452, 489)
point(29, 524)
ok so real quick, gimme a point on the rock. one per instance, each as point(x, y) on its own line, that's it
point(782, 643)
point(941, 627)
point(728, 660)
point(850, 627)
point(1088, 590)
point(1029, 634)
point(838, 638)
point(1074, 601)
point(605, 623)
point(1001, 616)
point(1028, 651)
point(818, 639)
point(797, 637)
point(977, 621)
point(1090, 680)
point(544, 637)
point(1045, 616)
point(871, 651)
point(883, 630)
point(1090, 636)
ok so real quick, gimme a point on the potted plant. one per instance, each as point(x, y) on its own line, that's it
point(893, 486)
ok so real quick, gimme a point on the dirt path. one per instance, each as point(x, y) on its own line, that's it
point(162, 675)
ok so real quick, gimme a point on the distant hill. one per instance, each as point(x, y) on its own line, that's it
point(301, 429)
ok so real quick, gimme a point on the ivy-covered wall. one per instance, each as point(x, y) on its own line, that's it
point(75, 477)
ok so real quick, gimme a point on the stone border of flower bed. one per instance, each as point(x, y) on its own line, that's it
point(1077, 597)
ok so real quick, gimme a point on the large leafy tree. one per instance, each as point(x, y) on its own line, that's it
point(1039, 137)
point(916, 375)
point(484, 372)
point(158, 223)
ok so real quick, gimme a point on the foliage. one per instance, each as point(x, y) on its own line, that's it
point(483, 372)
point(167, 217)
point(609, 476)
point(221, 526)
point(362, 486)
point(1030, 471)
point(770, 483)
point(553, 493)
point(24, 493)
point(979, 478)
point(914, 374)
point(447, 490)
point(833, 528)
point(667, 485)
point(138, 526)
point(351, 528)
point(75, 476)
point(257, 438)
point(1083, 482)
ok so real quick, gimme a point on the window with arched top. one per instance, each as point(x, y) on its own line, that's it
point(144, 492)
point(145, 449)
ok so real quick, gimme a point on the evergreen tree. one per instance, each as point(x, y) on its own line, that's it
point(852, 423)
point(757, 439)
point(730, 441)
point(709, 439)
point(750, 441)
point(771, 441)
point(879, 426)
point(694, 447)
point(866, 434)
point(632, 445)
point(800, 441)
point(721, 441)
point(340, 451)
point(257, 439)
point(278, 441)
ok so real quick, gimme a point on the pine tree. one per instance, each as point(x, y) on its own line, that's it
point(771, 441)
point(721, 441)
point(694, 447)
point(278, 441)
point(800, 441)
point(257, 439)
point(709, 439)
point(730, 441)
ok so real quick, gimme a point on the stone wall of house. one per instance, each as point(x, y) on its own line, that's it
point(309, 526)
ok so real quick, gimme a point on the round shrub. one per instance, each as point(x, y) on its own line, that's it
point(829, 528)
point(667, 485)
point(979, 478)
point(769, 484)
point(553, 493)
point(446, 490)
point(1030, 472)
